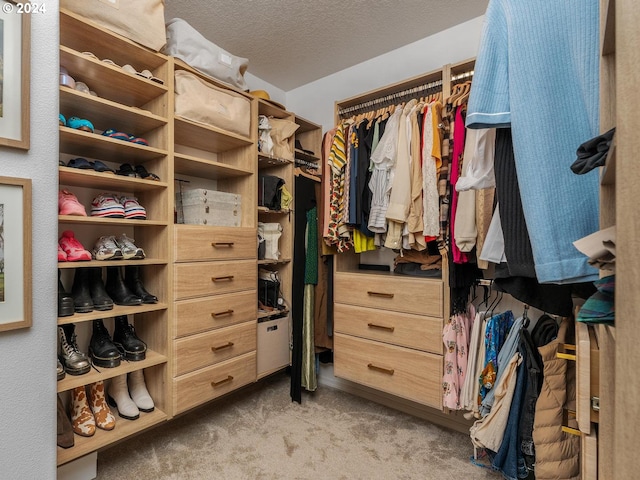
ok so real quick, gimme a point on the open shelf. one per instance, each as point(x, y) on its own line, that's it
point(275, 313)
point(124, 429)
point(110, 221)
point(300, 155)
point(280, 261)
point(112, 263)
point(116, 311)
point(200, 167)
point(94, 145)
point(207, 137)
point(268, 161)
point(77, 177)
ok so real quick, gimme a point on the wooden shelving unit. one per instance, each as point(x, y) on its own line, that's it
point(137, 106)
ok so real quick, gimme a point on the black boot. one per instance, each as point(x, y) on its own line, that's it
point(81, 292)
point(117, 289)
point(133, 280)
point(101, 301)
point(102, 350)
point(128, 343)
point(65, 300)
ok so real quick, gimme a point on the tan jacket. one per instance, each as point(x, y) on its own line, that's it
point(557, 453)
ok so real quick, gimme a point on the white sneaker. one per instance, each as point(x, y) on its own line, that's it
point(129, 250)
point(139, 393)
point(106, 248)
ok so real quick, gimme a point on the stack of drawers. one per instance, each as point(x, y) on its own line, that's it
point(388, 334)
point(215, 280)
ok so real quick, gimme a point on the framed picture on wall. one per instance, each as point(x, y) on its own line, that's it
point(15, 253)
point(15, 35)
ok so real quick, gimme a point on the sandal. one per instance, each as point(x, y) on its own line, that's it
point(113, 133)
point(143, 173)
point(80, 162)
point(138, 140)
point(98, 166)
point(80, 124)
point(126, 170)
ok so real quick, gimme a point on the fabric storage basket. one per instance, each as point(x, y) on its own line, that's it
point(187, 44)
point(200, 206)
point(204, 103)
point(141, 21)
point(271, 233)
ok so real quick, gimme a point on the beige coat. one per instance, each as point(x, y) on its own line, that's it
point(557, 452)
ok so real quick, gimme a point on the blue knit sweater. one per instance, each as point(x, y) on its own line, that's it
point(537, 72)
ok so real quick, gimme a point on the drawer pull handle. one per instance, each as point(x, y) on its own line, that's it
point(381, 327)
point(222, 382)
point(380, 294)
point(220, 314)
point(222, 347)
point(222, 244)
point(388, 371)
point(220, 279)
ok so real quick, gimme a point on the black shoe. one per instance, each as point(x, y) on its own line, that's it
point(102, 350)
point(101, 301)
point(133, 280)
point(81, 292)
point(128, 343)
point(65, 300)
point(117, 289)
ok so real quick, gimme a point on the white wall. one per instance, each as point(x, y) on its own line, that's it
point(315, 101)
point(28, 356)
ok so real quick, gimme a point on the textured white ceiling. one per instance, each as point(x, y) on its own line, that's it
point(290, 43)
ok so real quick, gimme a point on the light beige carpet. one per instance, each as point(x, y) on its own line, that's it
point(260, 434)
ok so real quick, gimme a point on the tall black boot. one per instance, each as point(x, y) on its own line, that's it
point(128, 343)
point(101, 300)
point(102, 350)
point(65, 300)
point(81, 291)
point(117, 289)
point(133, 280)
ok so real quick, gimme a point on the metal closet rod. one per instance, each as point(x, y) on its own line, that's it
point(392, 97)
point(462, 76)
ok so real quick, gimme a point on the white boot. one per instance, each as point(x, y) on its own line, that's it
point(118, 396)
point(139, 393)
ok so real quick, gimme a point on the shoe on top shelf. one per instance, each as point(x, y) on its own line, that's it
point(107, 205)
point(73, 248)
point(68, 204)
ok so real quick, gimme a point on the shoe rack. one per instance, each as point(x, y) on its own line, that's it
point(214, 267)
point(274, 348)
point(138, 106)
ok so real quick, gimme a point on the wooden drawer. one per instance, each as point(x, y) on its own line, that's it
point(203, 314)
point(409, 374)
point(390, 292)
point(212, 278)
point(208, 348)
point(204, 385)
point(198, 242)
point(403, 329)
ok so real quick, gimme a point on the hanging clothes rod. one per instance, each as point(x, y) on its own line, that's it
point(391, 98)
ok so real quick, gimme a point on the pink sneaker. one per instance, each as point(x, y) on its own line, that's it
point(73, 248)
point(68, 204)
point(62, 255)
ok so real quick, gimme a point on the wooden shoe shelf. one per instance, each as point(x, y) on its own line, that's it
point(140, 107)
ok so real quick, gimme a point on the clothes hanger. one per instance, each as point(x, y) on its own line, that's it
point(525, 316)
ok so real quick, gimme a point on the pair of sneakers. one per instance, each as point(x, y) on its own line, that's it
point(111, 206)
point(110, 247)
point(70, 249)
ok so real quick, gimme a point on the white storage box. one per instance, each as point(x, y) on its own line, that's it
point(200, 206)
point(273, 345)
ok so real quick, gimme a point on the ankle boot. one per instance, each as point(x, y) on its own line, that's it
point(60, 370)
point(118, 397)
point(128, 343)
point(81, 416)
point(80, 291)
point(133, 280)
point(101, 411)
point(65, 430)
point(117, 289)
point(65, 301)
point(102, 350)
point(101, 301)
point(75, 362)
point(139, 393)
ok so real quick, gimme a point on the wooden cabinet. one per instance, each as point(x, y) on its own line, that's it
point(282, 167)
point(214, 267)
point(139, 107)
